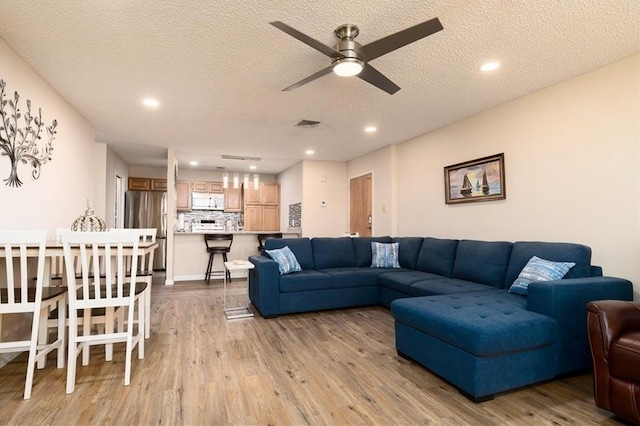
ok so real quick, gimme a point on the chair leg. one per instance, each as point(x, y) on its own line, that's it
point(72, 355)
point(62, 319)
point(43, 336)
point(33, 348)
point(86, 330)
point(224, 257)
point(109, 319)
point(147, 309)
point(207, 275)
point(142, 326)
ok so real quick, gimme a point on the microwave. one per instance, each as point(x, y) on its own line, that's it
point(204, 201)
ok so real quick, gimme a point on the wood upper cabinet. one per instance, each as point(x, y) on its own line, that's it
point(267, 193)
point(183, 195)
point(158, 184)
point(139, 184)
point(200, 186)
point(216, 187)
point(270, 193)
point(233, 200)
point(207, 187)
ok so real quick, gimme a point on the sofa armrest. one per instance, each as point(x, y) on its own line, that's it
point(565, 301)
point(264, 285)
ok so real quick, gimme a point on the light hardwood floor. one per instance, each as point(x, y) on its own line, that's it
point(334, 367)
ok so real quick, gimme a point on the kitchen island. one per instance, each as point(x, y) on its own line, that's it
point(191, 257)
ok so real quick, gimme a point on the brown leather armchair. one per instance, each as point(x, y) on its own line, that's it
point(614, 336)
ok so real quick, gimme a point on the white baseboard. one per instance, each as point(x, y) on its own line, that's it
point(200, 277)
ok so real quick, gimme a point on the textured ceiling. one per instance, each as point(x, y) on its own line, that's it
point(218, 68)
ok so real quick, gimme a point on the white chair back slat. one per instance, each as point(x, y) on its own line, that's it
point(15, 245)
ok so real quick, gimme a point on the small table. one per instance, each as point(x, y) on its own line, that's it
point(236, 312)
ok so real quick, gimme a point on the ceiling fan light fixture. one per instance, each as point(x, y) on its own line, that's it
point(347, 67)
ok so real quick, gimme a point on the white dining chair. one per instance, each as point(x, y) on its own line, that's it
point(17, 296)
point(145, 270)
point(103, 284)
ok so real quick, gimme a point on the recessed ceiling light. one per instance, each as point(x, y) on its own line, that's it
point(370, 129)
point(309, 152)
point(490, 66)
point(252, 167)
point(151, 103)
point(193, 163)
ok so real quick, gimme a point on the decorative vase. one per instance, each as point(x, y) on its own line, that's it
point(89, 222)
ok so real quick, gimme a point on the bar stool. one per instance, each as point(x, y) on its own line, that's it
point(217, 244)
point(264, 237)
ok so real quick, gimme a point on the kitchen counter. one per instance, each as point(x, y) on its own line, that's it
point(191, 257)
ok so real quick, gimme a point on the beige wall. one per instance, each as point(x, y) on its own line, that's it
point(572, 160)
point(325, 181)
point(291, 184)
point(77, 168)
point(116, 166)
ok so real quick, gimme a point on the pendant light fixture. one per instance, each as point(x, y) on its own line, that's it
point(256, 181)
point(225, 180)
point(245, 181)
point(236, 181)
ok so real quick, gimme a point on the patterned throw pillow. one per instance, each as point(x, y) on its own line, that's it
point(287, 261)
point(384, 255)
point(538, 269)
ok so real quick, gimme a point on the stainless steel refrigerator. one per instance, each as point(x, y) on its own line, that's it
point(148, 209)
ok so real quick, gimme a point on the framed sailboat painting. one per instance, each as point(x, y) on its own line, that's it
point(475, 180)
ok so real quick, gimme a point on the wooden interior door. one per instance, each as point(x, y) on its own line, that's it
point(360, 211)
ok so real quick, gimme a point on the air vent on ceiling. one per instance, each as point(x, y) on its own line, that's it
point(238, 157)
point(307, 123)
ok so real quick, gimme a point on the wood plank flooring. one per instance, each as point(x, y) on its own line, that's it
point(334, 367)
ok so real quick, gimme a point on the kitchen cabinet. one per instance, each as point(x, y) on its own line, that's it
point(270, 193)
point(200, 186)
point(139, 184)
point(216, 187)
point(158, 184)
point(183, 195)
point(261, 218)
point(207, 187)
point(233, 200)
point(267, 193)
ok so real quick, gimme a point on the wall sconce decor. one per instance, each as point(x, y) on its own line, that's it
point(19, 139)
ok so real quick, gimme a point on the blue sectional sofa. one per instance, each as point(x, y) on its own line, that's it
point(453, 312)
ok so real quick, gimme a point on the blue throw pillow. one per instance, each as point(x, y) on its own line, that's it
point(538, 269)
point(287, 261)
point(384, 255)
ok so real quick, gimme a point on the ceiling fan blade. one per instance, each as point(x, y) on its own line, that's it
point(395, 41)
point(312, 77)
point(375, 77)
point(320, 47)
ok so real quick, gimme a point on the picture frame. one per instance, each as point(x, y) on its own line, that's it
point(476, 180)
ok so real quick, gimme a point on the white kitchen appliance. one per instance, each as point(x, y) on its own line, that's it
point(206, 201)
point(206, 225)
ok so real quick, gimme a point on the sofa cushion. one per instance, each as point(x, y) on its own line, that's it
point(437, 256)
point(384, 255)
point(352, 277)
point(446, 286)
point(486, 323)
point(305, 280)
point(483, 262)
point(408, 251)
point(402, 281)
point(333, 253)
point(286, 260)
point(561, 252)
point(362, 248)
point(539, 270)
point(301, 248)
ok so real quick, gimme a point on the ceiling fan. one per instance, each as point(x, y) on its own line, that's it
point(349, 58)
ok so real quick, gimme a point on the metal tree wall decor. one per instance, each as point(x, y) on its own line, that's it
point(20, 139)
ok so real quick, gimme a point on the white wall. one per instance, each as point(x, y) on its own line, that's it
point(380, 164)
point(116, 166)
point(572, 161)
point(291, 184)
point(59, 196)
point(325, 181)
